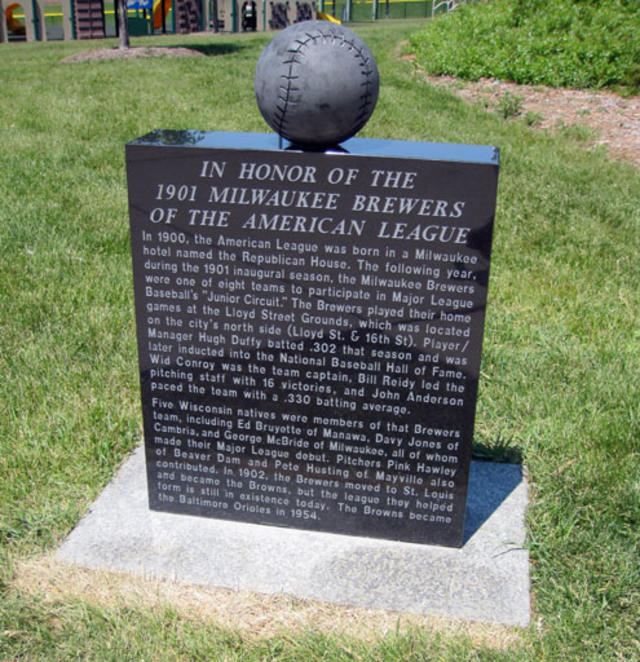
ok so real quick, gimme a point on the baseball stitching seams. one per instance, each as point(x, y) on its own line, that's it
point(287, 97)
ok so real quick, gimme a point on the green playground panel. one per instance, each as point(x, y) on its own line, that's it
point(364, 11)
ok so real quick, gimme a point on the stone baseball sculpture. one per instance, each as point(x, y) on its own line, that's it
point(316, 84)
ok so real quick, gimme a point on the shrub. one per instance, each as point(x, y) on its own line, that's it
point(565, 43)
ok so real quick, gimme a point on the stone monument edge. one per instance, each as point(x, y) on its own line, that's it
point(406, 149)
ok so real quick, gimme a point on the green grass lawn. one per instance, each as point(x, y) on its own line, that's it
point(560, 371)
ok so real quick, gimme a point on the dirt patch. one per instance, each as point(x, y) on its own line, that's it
point(104, 54)
point(611, 120)
point(252, 614)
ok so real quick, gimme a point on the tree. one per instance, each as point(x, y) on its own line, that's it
point(123, 24)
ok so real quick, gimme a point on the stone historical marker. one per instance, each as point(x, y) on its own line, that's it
point(310, 328)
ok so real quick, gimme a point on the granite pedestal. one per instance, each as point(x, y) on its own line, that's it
point(487, 579)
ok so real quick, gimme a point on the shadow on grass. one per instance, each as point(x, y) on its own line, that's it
point(211, 50)
point(500, 450)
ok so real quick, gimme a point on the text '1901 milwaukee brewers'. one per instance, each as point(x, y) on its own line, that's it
point(310, 328)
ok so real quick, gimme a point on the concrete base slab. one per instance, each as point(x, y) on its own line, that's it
point(486, 580)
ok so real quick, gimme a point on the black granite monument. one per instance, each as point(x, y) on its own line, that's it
point(310, 327)
point(310, 322)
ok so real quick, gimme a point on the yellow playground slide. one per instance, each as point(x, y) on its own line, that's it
point(321, 16)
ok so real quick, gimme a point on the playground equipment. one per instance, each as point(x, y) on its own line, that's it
point(14, 26)
point(145, 18)
point(160, 10)
point(322, 16)
point(305, 11)
point(88, 19)
point(33, 26)
point(249, 15)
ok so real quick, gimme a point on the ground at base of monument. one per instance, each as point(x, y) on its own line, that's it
point(486, 580)
point(251, 615)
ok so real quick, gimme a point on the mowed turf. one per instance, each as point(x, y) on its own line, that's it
point(559, 385)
